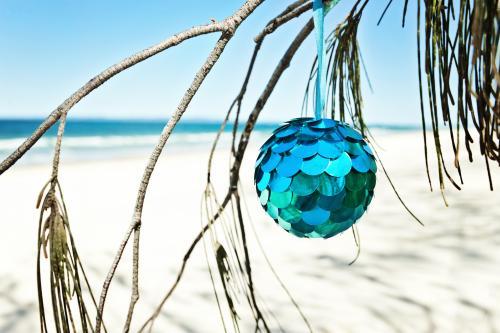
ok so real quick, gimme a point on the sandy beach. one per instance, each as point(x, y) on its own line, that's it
point(444, 277)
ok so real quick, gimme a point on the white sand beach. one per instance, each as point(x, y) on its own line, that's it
point(444, 277)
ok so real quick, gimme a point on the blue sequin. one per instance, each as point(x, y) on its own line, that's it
point(270, 162)
point(350, 133)
point(284, 145)
point(315, 216)
point(315, 166)
point(279, 184)
point(305, 149)
point(262, 154)
point(367, 148)
point(269, 142)
point(289, 166)
point(282, 127)
point(340, 167)
point(263, 181)
point(361, 163)
point(286, 130)
point(333, 136)
point(329, 149)
point(307, 133)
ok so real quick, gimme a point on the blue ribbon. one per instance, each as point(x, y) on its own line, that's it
point(318, 17)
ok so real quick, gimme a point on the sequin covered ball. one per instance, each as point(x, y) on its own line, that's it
point(315, 178)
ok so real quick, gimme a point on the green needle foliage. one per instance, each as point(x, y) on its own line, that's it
point(461, 71)
point(458, 61)
point(66, 273)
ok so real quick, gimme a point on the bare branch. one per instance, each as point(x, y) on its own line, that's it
point(231, 25)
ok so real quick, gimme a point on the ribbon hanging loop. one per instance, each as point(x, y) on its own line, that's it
point(319, 17)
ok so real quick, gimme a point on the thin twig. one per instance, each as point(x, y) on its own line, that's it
point(291, 12)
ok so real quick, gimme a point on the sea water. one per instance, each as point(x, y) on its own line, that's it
point(88, 139)
point(97, 139)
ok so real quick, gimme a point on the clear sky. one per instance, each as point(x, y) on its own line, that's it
point(49, 49)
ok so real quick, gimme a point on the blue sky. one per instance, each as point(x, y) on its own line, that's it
point(49, 49)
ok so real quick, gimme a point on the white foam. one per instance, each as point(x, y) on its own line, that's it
point(113, 141)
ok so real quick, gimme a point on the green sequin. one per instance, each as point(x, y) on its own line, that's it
point(303, 184)
point(355, 181)
point(329, 185)
point(281, 199)
point(354, 198)
point(291, 214)
point(371, 180)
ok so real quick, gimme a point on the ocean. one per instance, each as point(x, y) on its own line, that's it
point(100, 139)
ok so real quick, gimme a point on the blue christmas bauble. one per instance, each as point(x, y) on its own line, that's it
point(315, 177)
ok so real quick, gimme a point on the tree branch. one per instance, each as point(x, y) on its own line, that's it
point(230, 25)
point(294, 10)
